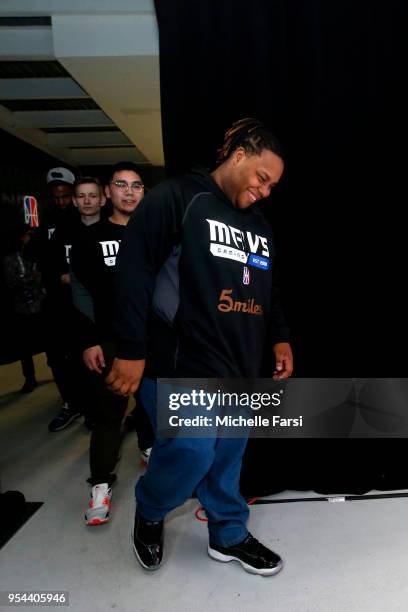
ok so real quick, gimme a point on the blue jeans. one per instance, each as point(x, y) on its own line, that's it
point(178, 466)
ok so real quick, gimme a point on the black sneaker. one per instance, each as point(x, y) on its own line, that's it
point(148, 543)
point(63, 418)
point(254, 557)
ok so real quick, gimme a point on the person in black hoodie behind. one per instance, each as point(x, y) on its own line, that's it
point(64, 224)
point(196, 252)
point(50, 245)
point(93, 259)
point(23, 279)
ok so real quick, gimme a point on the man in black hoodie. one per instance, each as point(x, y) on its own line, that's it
point(68, 219)
point(52, 243)
point(198, 253)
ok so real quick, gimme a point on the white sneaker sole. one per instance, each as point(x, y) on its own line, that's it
point(146, 567)
point(214, 554)
point(97, 521)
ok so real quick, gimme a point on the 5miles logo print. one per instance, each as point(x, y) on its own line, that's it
point(232, 243)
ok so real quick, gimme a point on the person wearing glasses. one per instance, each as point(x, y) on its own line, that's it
point(93, 260)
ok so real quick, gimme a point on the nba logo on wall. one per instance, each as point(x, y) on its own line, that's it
point(245, 276)
point(31, 211)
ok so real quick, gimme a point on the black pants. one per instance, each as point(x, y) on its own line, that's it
point(62, 368)
point(60, 348)
point(109, 410)
point(29, 332)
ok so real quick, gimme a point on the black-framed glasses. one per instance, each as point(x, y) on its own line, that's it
point(125, 186)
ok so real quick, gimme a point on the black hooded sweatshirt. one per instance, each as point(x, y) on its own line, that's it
point(194, 283)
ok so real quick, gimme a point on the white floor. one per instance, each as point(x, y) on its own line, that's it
point(350, 556)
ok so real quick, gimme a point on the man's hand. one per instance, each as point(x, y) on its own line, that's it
point(284, 360)
point(125, 376)
point(65, 279)
point(94, 359)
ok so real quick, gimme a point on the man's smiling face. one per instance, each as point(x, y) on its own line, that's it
point(251, 177)
point(125, 199)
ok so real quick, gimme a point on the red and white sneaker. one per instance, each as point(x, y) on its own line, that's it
point(99, 505)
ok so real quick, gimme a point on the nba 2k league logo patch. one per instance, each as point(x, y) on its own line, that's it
point(31, 211)
point(110, 249)
point(245, 276)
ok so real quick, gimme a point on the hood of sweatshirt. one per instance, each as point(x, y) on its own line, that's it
point(202, 176)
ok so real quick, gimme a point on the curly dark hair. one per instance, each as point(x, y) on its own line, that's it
point(252, 135)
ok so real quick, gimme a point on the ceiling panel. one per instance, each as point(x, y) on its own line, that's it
point(23, 69)
point(80, 80)
point(49, 105)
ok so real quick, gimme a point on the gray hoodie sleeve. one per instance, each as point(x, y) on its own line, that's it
point(152, 232)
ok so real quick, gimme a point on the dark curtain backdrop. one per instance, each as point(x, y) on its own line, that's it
point(327, 77)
